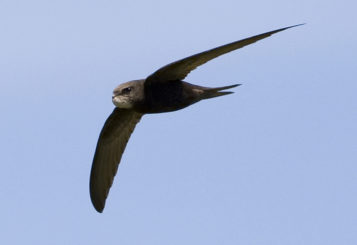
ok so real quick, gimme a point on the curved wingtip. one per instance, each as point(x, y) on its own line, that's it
point(301, 24)
point(97, 203)
point(98, 208)
point(284, 28)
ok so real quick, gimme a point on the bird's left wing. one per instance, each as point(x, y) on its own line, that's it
point(110, 147)
point(178, 70)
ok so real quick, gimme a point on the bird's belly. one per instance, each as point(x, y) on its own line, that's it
point(170, 96)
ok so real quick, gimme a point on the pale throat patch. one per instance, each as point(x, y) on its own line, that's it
point(121, 102)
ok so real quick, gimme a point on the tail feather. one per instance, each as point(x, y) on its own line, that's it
point(215, 92)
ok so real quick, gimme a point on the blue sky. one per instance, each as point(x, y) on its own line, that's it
point(274, 163)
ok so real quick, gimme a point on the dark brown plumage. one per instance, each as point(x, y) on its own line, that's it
point(162, 91)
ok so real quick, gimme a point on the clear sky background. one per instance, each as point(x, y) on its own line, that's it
point(274, 163)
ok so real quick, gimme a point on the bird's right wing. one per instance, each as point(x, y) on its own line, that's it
point(110, 147)
point(178, 70)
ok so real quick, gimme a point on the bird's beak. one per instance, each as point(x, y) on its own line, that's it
point(114, 95)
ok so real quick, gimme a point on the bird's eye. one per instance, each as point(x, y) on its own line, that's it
point(126, 90)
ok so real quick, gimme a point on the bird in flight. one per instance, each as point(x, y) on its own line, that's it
point(162, 91)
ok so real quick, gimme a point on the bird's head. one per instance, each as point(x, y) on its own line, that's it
point(128, 94)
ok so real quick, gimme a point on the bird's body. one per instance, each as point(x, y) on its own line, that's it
point(171, 96)
point(163, 91)
point(162, 97)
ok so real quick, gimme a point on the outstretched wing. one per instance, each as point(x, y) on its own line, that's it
point(178, 70)
point(110, 147)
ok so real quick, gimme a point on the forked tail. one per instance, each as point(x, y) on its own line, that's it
point(215, 92)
